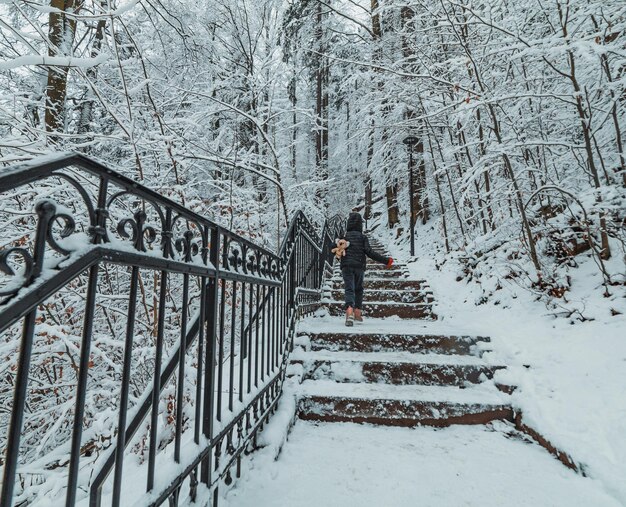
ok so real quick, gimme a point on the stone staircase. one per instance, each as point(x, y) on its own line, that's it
point(382, 371)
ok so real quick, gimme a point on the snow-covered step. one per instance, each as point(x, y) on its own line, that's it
point(299, 354)
point(372, 282)
point(324, 400)
point(395, 368)
point(485, 394)
point(386, 309)
point(400, 296)
point(379, 273)
point(362, 339)
point(376, 265)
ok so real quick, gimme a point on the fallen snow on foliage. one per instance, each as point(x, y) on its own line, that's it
point(57, 61)
point(353, 465)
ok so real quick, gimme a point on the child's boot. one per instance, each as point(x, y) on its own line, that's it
point(358, 315)
point(349, 316)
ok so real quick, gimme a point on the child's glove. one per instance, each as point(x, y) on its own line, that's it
point(389, 262)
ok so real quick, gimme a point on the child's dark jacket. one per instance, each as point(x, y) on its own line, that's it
point(359, 249)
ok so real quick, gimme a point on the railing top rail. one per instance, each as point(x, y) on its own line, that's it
point(41, 167)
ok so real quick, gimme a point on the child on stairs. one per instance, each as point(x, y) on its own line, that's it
point(353, 265)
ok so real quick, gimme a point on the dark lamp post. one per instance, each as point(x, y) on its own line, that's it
point(410, 143)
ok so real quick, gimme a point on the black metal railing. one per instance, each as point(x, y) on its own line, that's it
point(130, 325)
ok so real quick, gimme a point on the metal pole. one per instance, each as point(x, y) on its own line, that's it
point(411, 198)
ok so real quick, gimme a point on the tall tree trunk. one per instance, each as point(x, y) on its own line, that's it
point(86, 110)
point(419, 198)
point(293, 98)
point(586, 131)
point(604, 63)
point(483, 152)
point(391, 188)
point(321, 105)
point(367, 213)
point(369, 197)
point(61, 30)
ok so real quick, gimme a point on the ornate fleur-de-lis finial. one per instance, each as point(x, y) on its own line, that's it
point(141, 234)
point(187, 247)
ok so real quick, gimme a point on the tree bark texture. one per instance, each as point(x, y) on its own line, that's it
point(391, 188)
point(61, 30)
point(321, 104)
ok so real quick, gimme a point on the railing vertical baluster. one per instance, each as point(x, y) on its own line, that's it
point(125, 386)
point(292, 277)
point(156, 391)
point(300, 261)
point(83, 375)
point(180, 394)
point(243, 344)
point(267, 318)
point(318, 271)
point(282, 315)
point(201, 327)
point(268, 336)
point(256, 336)
point(270, 324)
point(275, 326)
point(288, 297)
point(317, 278)
point(312, 267)
point(249, 348)
point(312, 272)
point(220, 360)
point(242, 340)
point(209, 362)
point(233, 328)
point(287, 293)
point(263, 326)
point(156, 387)
point(279, 331)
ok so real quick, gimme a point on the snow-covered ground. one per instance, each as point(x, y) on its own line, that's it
point(352, 465)
point(574, 391)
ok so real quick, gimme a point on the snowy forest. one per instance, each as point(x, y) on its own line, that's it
point(247, 111)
